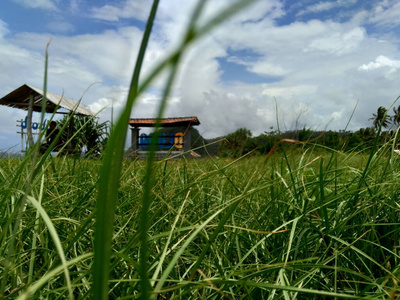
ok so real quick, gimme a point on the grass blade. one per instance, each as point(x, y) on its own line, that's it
point(56, 239)
point(110, 175)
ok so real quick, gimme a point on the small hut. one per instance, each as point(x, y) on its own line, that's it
point(29, 98)
point(168, 143)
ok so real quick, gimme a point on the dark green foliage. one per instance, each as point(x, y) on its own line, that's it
point(365, 138)
point(83, 131)
point(266, 141)
point(381, 118)
point(236, 144)
point(396, 116)
point(305, 135)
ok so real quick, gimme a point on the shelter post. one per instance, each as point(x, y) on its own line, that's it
point(70, 131)
point(135, 138)
point(187, 141)
point(29, 120)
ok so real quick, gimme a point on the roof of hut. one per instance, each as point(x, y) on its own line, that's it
point(20, 97)
point(165, 122)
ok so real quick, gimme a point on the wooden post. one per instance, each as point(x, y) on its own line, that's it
point(70, 133)
point(187, 142)
point(135, 139)
point(22, 134)
point(29, 121)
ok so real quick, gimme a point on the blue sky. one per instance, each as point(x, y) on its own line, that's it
point(312, 61)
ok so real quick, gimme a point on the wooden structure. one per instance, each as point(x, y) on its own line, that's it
point(181, 141)
point(29, 98)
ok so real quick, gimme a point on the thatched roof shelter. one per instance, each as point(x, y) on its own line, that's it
point(21, 97)
point(29, 98)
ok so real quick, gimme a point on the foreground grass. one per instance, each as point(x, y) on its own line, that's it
point(301, 224)
point(298, 224)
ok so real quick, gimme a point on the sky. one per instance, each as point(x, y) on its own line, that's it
point(298, 64)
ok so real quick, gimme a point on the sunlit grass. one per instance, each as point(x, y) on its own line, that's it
point(304, 222)
point(274, 232)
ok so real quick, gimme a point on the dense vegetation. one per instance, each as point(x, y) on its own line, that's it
point(305, 221)
point(242, 142)
point(300, 223)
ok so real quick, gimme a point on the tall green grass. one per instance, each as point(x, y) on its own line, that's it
point(217, 228)
point(305, 222)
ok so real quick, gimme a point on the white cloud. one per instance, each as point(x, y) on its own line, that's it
point(321, 61)
point(138, 10)
point(338, 42)
point(74, 5)
point(75, 63)
point(321, 6)
point(41, 4)
point(60, 27)
point(271, 9)
point(102, 104)
point(380, 62)
point(318, 60)
point(324, 6)
point(107, 13)
point(20, 64)
point(321, 64)
point(108, 54)
point(289, 91)
point(386, 13)
point(269, 69)
point(259, 67)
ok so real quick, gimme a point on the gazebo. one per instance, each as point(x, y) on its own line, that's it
point(173, 142)
point(29, 98)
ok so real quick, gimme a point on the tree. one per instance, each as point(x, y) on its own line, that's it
point(381, 118)
point(396, 117)
point(85, 132)
point(363, 138)
point(236, 144)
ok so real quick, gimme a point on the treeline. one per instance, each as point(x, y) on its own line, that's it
point(242, 142)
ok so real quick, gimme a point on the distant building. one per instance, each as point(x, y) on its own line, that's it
point(169, 143)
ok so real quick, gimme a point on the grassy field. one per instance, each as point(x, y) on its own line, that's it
point(303, 223)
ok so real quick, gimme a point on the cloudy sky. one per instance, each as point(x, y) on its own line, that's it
point(309, 62)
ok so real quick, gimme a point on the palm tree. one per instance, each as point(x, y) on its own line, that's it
point(396, 120)
point(396, 117)
point(381, 118)
point(88, 132)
